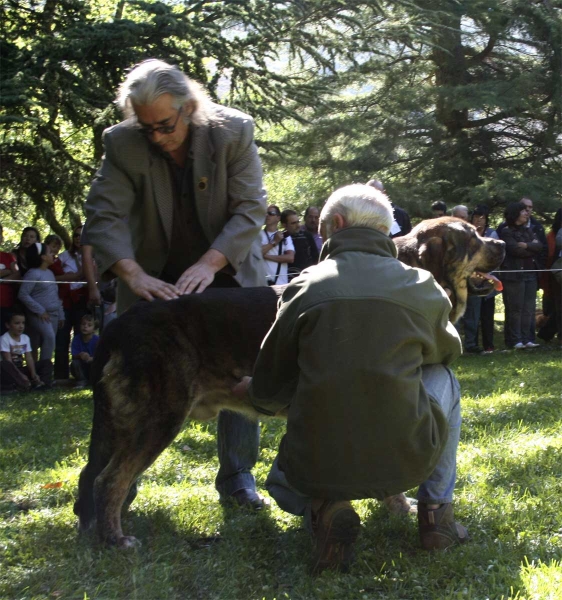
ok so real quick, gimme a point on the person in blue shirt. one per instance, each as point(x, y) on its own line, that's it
point(82, 349)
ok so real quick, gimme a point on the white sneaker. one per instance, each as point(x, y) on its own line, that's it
point(519, 346)
point(531, 345)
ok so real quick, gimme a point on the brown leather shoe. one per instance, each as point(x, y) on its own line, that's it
point(335, 530)
point(438, 530)
point(249, 498)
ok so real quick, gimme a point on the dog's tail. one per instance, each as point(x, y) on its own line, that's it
point(103, 352)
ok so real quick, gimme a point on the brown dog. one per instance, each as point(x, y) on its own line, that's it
point(459, 259)
point(162, 362)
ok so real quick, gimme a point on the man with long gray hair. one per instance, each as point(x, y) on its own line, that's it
point(176, 207)
point(372, 408)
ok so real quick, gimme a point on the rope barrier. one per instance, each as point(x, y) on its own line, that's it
point(34, 281)
point(86, 283)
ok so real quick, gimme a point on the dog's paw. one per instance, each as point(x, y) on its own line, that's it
point(85, 521)
point(128, 542)
point(84, 527)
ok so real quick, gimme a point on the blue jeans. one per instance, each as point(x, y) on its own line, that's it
point(238, 440)
point(472, 321)
point(519, 298)
point(440, 384)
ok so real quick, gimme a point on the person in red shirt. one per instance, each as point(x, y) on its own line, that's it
point(8, 272)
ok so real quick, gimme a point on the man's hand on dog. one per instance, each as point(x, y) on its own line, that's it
point(240, 390)
point(141, 284)
point(196, 279)
point(200, 275)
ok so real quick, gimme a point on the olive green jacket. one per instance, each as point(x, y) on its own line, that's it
point(345, 356)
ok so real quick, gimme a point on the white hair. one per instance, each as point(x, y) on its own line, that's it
point(152, 78)
point(459, 208)
point(361, 206)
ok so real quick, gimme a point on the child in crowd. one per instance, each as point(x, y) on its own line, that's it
point(39, 294)
point(17, 367)
point(82, 349)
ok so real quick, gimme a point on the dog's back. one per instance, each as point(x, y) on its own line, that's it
point(199, 345)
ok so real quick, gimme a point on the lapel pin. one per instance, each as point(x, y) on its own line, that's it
point(202, 185)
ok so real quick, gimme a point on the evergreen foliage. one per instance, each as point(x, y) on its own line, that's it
point(452, 99)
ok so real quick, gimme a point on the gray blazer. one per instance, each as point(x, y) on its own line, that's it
point(129, 208)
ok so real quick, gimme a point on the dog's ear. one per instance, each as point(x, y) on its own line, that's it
point(431, 255)
point(458, 240)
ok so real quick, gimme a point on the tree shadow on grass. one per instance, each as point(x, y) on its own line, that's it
point(179, 559)
point(175, 560)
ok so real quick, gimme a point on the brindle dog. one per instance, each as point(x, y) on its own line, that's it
point(459, 258)
point(163, 362)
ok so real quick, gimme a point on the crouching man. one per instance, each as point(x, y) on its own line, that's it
point(372, 408)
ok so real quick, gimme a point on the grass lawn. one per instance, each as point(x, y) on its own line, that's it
point(509, 495)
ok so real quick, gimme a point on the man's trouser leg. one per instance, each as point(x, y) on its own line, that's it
point(487, 314)
point(442, 385)
point(287, 497)
point(513, 292)
point(528, 310)
point(471, 321)
point(62, 345)
point(238, 440)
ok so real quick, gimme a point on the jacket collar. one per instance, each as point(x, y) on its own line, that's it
point(358, 239)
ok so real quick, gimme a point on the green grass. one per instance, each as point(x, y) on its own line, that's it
point(509, 495)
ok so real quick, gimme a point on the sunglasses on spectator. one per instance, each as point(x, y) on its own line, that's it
point(162, 129)
point(272, 213)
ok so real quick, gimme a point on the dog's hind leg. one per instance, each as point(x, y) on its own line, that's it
point(84, 505)
point(131, 495)
point(99, 456)
point(117, 483)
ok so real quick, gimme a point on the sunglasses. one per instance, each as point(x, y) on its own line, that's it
point(272, 213)
point(162, 129)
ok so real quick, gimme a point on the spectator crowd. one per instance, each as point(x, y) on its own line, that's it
point(44, 304)
point(55, 298)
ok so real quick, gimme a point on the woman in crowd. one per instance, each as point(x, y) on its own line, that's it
point(479, 310)
point(29, 235)
point(38, 293)
point(520, 276)
point(8, 272)
point(68, 268)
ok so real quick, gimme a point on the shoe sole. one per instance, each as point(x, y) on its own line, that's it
point(335, 551)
